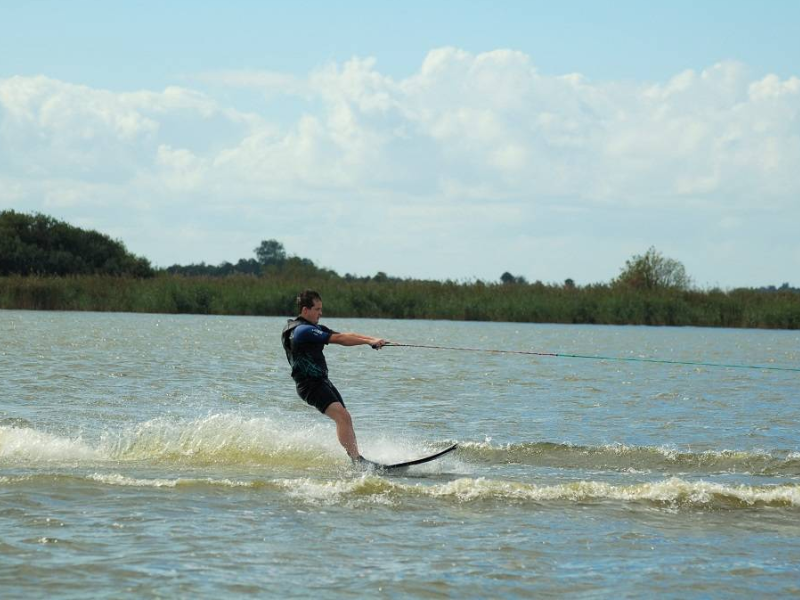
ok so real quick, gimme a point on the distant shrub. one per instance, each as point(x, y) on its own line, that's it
point(41, 245)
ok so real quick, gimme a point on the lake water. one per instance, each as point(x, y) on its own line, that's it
point(168, 456)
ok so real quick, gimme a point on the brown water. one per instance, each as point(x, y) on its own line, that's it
point(168, 456)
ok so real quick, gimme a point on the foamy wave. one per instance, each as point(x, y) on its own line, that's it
point(218, 439)
point(670, 493)
point(26, 444)
point(223, 439)
point(232, 439)
point(122, 480)
point(118, 479)
point(370, 489)
point(215, 439)
point(622, 457)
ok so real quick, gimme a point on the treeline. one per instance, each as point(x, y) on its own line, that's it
point(50, 265)
point(783, 288)
point(405, 299)
point(271, 258)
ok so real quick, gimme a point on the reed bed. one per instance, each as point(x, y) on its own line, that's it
point(273, 295)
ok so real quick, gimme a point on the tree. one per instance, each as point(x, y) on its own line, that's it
point(270, 252)
point(653, 271)
point(41, 245)
point(508, 279)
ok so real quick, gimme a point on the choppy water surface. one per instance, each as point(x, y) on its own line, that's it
point(168, 456)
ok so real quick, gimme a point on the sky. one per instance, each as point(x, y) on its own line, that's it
point(437, 139)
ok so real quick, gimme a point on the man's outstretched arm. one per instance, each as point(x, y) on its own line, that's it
point(356, 339)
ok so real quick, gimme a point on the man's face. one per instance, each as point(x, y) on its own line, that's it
point(312, 314)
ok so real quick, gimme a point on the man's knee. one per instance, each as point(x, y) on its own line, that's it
point(339, 413)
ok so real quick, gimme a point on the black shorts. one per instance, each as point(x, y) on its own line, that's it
point(319, 393)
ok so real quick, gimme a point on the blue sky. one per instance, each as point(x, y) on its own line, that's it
point(437, 139)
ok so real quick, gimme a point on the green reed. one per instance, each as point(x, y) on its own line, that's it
point(274, 295)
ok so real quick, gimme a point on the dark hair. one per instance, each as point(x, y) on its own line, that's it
point(306, 299)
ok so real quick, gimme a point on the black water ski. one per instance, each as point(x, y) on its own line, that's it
point(403, 465)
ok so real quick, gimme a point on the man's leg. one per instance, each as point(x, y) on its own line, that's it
point(344, 428)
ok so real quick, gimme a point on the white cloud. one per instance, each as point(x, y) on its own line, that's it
point(181, 170)
point(469, 133)
point(269, 83)
point(63, 112)
point(487, 120)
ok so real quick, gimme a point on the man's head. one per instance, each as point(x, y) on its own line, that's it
point(309, 303)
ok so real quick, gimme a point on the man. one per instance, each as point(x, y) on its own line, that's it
point(304, 340)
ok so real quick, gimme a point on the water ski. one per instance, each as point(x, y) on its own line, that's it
point(363, 462)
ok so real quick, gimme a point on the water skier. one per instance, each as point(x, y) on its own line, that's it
point(303, 340)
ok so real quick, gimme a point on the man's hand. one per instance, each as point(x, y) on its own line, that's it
point(378, 344)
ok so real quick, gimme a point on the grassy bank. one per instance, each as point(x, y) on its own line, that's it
point(477, 301)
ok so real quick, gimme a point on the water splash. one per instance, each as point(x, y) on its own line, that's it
point(24, 444)
point(231, 439)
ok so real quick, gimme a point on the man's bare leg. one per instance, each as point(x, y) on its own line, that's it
point(344, 428)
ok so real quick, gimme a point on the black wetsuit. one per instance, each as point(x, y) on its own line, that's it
point(303, 343)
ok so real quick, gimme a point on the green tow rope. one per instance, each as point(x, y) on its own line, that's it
point(619, 358)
